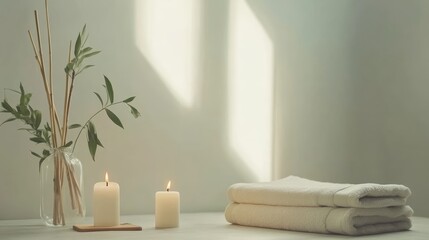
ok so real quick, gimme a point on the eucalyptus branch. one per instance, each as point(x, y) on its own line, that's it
point(89, 120)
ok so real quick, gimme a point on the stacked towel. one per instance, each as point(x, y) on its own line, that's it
point(295, 203)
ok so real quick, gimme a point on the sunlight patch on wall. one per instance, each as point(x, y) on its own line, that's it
point(250, 90)
point(167, 34)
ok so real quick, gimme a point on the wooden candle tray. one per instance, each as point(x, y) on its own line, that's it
point(92, 228)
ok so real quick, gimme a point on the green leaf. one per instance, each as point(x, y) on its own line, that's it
point(35, 154)
point(68, 144)
point(12, 90)
point(7, 106)
point(91, 129)
point(37, 132)
point(38, 119)
point(46, 153)
point(27, 98)
point(79, 62)
point(99, 98)
point(91, 54)
point(85, 67)
point(109, 89)
point(83, 30)
point(38, 140)
point(8, 120)
point(22, 89)
point(75, 126)
point(134, 111)
point(46, 136)
point(98, 141)
point(77, 45)
point(84, 42)
point(92, 145)
point(128, 100)
point(23, 102)
point(69, 67)
point(114, 118)
point(92, 142)
point(83, 33)
point(47, 127)
point(85, 50)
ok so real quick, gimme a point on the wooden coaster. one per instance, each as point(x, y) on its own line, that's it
point(92, 228)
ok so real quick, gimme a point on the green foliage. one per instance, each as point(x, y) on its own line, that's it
point(76, 66)
point(92, 137)
point(73, 126)
point(32, 118)
point(109, 89)
point(114, 118)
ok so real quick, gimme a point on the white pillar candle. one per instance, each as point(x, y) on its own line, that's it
point(167, 208)
point(106, 206)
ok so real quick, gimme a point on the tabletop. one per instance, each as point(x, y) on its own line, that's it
point(192, 226)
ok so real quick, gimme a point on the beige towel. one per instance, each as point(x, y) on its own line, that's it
point(347, 221)
point(296, 191)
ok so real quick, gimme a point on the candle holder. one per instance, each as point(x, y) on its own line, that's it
point(92, 228)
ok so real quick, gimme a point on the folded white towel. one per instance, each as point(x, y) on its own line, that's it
point(296, 191)
point(346, 221)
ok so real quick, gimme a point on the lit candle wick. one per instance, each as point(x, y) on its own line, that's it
point(168, 186)
point(107, 179)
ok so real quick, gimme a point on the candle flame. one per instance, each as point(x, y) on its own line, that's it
point(168, 186)
point(106, 178)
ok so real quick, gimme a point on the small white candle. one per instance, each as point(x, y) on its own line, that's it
point(106, 206)
point(167, 208)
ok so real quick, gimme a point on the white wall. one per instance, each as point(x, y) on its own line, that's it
point(349, 95)
point(188, 145)
point(352, 102)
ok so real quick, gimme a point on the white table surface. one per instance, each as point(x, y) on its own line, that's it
point(192, 226)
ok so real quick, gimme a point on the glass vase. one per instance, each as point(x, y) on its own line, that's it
point(61, 189)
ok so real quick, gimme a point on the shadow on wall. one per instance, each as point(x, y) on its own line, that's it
point(352, 90)
point(212, 79)
point(173, 47)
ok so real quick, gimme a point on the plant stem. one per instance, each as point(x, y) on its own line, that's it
point(36, 55)
point(66, 102)
point(86, 123)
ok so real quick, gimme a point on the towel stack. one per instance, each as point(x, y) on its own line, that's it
point(299, 204)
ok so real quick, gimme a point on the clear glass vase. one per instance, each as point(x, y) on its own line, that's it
point(61, 189)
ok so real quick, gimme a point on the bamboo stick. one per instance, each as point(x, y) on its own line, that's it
point(51, 94)
point(59, 160)
point(52, 120)
point(61, 165)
